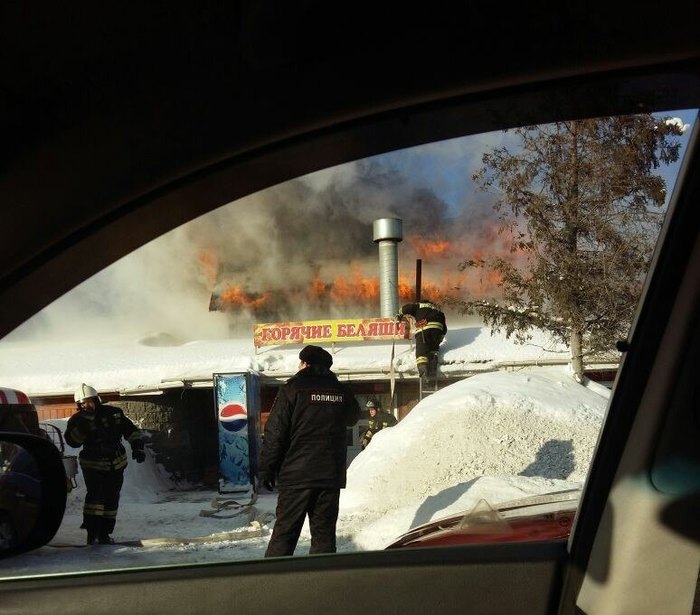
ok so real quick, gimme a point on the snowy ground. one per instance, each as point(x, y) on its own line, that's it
point(496, 436)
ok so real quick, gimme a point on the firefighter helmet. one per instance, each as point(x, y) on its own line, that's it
point(85, 391)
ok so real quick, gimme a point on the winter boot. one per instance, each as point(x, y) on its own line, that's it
point(432, 365)
point(91, 537)
point(105, 539)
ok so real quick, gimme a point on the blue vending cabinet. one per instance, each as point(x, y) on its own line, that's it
point(237, 399)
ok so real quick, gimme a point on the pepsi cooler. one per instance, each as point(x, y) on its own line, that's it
point(237, 400)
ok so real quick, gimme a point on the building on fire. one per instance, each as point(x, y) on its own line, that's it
point(172, 390)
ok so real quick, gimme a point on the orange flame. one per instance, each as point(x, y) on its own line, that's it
point(360, 290)
point(355, 289)
point(233, 296)
point(209, 263)
point(426, 248)
point(317, 288)
point(441, 279)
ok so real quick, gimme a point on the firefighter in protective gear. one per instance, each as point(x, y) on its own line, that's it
point(430, 331)
point(378, 420)
point(98, 429)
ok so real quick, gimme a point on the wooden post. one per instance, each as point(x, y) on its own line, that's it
point(419, 273)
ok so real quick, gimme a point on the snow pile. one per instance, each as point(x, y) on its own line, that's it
point(499, 436)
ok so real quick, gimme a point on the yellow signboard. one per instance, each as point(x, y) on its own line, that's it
point(329, 331)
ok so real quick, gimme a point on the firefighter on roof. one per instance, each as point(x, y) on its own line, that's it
point(430, 331)
point(99, 429)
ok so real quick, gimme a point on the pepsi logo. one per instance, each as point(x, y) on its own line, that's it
point(233, 417)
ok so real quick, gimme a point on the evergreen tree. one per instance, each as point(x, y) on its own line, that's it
point(583, 207)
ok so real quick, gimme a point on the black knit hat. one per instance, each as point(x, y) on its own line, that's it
point(315, 355)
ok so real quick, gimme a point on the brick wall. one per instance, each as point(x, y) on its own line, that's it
point(47, 412)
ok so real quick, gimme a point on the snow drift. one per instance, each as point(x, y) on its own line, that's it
point(495, 436)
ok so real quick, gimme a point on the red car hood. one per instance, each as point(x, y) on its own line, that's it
point(541, 517)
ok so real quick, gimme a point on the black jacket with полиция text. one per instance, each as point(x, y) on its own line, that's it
point(304, 444)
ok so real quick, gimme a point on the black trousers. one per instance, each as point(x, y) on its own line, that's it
point(427, 344)
point(292, 507)
point(101, 500)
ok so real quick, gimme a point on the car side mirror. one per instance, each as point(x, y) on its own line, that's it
point(32, 492)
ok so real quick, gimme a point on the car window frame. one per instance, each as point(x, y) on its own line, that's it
point(357, 563)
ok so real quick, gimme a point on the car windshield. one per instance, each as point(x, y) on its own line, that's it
point(533, 244)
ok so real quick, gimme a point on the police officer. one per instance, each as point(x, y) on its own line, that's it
point(430, 331)
point(98, 429)
point(378, 420)
point(305, 447)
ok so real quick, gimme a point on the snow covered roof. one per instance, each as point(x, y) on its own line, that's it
point(159, 362)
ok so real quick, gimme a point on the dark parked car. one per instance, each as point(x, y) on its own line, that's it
point(20, 495)
point(20, 486)
point(17, 413)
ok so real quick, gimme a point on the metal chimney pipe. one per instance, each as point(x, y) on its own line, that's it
point(388, 232)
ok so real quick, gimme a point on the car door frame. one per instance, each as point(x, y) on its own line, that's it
point(477, 579)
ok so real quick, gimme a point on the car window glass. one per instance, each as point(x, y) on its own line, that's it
point(533, 242)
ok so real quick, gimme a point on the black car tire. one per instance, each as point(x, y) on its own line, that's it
point(8, 531)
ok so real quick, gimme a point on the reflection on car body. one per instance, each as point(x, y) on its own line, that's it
point(541, 517)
